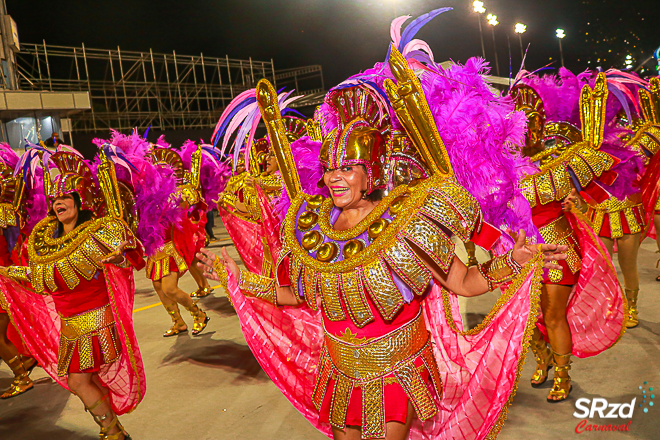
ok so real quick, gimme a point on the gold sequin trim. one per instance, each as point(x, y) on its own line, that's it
point(75, 254)
point(158, 265)
point(78, 331)
point(559, 232)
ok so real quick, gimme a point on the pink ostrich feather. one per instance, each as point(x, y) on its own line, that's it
point(481, 131)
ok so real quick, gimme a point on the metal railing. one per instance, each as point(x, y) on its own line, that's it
point(130, 89)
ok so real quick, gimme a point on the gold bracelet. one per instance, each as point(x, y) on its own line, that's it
point(500, 270)
point(221, 270)
point(257, 286)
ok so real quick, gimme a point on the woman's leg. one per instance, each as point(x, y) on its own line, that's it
point(393, 430)
point(95, 397)
point(170, 285)
point(172, 308)
point(628, 249)
point(12, 358)
point(7, 349)
point(554, 299)
point(609, 245)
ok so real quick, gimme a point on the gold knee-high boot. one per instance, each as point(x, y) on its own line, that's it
point(562, 385)
point(543, 356)
point(633, 319)
point(201, 318)
point(178, 325)
point(22, 381)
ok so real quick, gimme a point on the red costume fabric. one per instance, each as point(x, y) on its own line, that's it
point(37, 319)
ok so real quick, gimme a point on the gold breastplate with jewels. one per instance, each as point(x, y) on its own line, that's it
point(341, 266)
point(76, 254)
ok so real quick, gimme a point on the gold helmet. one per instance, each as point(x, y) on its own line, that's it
point(74, 177)
point(362, 134)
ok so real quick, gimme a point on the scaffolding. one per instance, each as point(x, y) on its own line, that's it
point(131, 89)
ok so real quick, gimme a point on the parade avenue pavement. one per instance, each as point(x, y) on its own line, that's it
point(210, 387)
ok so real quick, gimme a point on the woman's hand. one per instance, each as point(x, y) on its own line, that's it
point(523, 252)
point(249, 181)
point(116, 257)
point(208, 263)
point(572, 199)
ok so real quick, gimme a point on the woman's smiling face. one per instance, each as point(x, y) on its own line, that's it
point(65, 209)
point(347, 185)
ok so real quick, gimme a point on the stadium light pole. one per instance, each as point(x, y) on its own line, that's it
point(520, 29)
point(560, 36)
point(479, 9)
point(492, 21)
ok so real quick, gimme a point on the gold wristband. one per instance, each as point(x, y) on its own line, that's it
point(499, 270)
point(257, 286)
point(221, 270)
point(19, 273)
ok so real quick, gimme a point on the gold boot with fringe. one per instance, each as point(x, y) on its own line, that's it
point(22, 381)
point(178, 322)
point(562, 385)
point(200, 317)
point(543, 356)
point(633, 318)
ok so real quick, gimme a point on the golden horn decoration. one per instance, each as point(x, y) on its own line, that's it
point(650, 102)
point(193, 176)
point(19, 193)
point(592, 111)
point(109, 187)
point(314, 130)
point(412, 109)
point(270, 112)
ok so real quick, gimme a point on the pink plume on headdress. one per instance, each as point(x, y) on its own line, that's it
point(8, 156)
point(240, 121)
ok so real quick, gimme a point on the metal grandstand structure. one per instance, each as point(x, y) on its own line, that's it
point(171, 91)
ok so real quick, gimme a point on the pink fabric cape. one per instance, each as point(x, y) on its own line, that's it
point(597, 306)
point(479, 369)
point(39, 324)
point(246, 236)
point(650, 194)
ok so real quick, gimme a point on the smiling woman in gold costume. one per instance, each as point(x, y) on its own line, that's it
point(355, 325)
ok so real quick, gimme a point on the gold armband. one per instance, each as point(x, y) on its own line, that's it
point(499, 270)
point(19, 273)
point(257, 286)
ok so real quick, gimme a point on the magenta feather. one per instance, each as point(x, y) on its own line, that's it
point(481, 131)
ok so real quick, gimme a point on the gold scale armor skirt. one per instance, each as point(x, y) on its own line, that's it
point(78, 332)
point(373, 364)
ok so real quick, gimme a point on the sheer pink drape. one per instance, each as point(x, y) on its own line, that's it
point(597, 305)
point(39, 324)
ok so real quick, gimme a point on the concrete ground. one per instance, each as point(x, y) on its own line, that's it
point(211, 387)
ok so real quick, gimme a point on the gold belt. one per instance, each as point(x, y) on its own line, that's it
point(559, 231)
point(78, 332)
point(368, 366)
point(379, 356)
point(88, 322)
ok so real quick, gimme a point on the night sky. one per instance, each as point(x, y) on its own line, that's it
point(346, 36)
